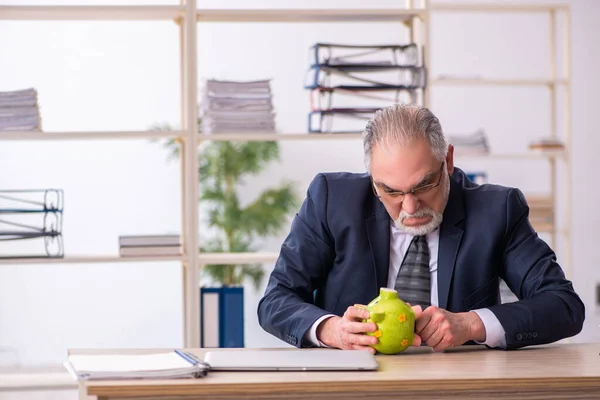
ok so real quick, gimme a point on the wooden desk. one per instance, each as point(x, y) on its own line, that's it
point(547, 372)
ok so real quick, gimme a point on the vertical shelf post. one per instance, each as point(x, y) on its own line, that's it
point(419, 33)
point(190, 177)
point(567, 138)
point(553, 133)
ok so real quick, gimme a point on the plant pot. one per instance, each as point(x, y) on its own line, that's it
point(222, 317)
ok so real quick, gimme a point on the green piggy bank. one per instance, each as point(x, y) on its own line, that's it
point(395, 322)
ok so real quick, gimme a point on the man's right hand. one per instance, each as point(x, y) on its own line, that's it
point(347, 332)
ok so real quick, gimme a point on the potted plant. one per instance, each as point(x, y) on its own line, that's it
point(234, 227)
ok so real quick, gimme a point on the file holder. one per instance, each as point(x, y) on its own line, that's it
point(365, 76)
point(328, 99)
point(30, 217)
point(324, 120)
point(385, 73)
point(335, 54)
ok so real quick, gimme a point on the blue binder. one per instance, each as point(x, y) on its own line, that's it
point(222, 314)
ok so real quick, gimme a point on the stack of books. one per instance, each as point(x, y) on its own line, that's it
point(236, 106)
point(541, 212)
point(349, 83)
point(470, 144)
point(547, 146)
point(19, 111)
point(150, 245)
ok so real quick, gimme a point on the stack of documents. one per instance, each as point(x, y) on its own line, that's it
point(150, 246)
point(19, 111)
point(547, 146)
point(470, 144)
point(349, 83)
point(541, 211)
point(235, 106)
point(165, 365)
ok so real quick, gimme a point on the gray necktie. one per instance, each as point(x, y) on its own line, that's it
point(412, 282)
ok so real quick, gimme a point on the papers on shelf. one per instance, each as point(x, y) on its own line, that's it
point(157, 251)
point(165, 365)
point(547, 146)
point(236, 106)
point(19, 110)
point(150, 245)
point(470, 144)
point(541, 210)
point(149, 240)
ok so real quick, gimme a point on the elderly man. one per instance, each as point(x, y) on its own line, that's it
point(416, 224)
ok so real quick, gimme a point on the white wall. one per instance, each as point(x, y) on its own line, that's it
point(90, 76)
point(586, 141)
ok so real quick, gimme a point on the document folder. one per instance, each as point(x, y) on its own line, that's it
point(31, 223)
point(164, 365)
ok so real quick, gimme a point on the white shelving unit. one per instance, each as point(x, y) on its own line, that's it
point(23, 136)
point(187, 17)
point(499, 82)
point(318, 15)
point(91, 13)
point(556, 86)
point(88, 259)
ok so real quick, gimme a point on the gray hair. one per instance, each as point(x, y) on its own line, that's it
point(400, 124)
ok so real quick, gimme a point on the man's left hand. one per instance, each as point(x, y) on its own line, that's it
point(442, 329)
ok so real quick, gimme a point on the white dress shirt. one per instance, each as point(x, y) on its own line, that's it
point(399, 242)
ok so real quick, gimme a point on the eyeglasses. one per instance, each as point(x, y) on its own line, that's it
point(419, 190)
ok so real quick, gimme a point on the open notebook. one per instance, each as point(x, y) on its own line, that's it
point(165, 365)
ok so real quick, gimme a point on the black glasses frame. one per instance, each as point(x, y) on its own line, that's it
point(414, 192)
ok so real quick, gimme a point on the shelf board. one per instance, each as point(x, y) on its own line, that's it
point(497, 7)
point(80, 13)
point(236, 258)
point(305, 15)
point(18, 378)
point(91, 135)
point(524, 155)
point(259, 137)
point(497, 82)
point(88, 259)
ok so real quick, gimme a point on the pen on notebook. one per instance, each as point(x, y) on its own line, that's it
point(191, 358)
point(188, 357)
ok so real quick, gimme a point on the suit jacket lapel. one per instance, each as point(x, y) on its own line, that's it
point(450, 236)
point(378, 232)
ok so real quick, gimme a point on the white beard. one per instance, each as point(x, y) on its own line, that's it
point(436, 218)
point(420, 230)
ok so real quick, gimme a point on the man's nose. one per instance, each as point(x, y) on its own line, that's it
point(410, 204)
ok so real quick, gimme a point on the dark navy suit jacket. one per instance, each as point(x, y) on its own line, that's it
point(337, 255)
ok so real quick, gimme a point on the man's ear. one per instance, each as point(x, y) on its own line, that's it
point(450, 159)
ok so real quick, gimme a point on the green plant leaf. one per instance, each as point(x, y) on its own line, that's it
point(222, 168)
point(268, 213)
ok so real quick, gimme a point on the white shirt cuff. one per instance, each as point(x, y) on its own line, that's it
point(495, 336)
point(312, 332)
